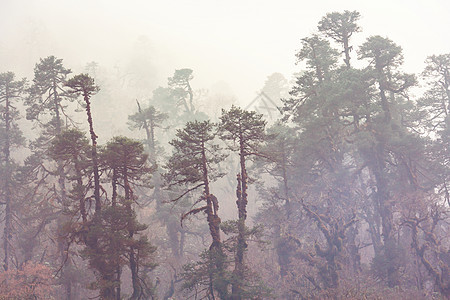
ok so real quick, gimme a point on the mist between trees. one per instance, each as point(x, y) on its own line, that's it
point(335, 186)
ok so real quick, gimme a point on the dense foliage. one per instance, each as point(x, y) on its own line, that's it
point(344, 195)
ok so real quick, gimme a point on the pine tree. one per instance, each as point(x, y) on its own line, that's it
point(193, 164)
point(181, 88)
point(11, 137)
point(47, 103)
point(127, 162)
point(244, 133)
point(386, 58)
point(340, 27)
point(148, 119)
point(84, 85)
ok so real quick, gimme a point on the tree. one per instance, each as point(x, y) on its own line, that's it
point(48, 92)
point(72, 148)
point(437, 98)
point(181, 88)
point(320, 57)
point(94, 239)
point(340, 27)
point(385, 58)
point(428, 247)
point(47, 103)
point(31, 281)
point(11, 137)
point(84, 85)
point(276, 87)
point(194, 164)
point(278, 163)
point(245, 133)
point(128, 163)
point(149, 119)
point(434, 108)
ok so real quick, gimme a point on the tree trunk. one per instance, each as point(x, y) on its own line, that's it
point(98, 204)
point(241, 202)
point(7, 231)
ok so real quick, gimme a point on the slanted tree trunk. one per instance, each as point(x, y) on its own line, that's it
point(98, 204)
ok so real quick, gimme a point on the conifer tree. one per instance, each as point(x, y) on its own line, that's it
point(181, 88)
point(386, 57)
point(11, 137)
point(193, 164)
point(148, 119)
point(340, 27)
point(84, 85)
point(47, 94)
point(126, 160)
point(244, 133)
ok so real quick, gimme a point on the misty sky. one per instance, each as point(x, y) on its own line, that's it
point(236, 42)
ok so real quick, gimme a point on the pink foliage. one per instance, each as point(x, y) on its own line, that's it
point(32, 281)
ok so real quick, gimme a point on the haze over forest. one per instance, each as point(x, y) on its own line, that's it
point(224, 150)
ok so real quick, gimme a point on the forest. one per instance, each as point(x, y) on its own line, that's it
point(335, 185)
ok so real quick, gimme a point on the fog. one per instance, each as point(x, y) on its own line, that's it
point(238, 43)
point(331, 177)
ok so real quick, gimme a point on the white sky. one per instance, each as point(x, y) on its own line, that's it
point(238, 42)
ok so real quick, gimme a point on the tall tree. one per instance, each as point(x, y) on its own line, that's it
point(72, 148)
point(148, 119)
point(128, 164)
point(326, 105)
point(244, 132)
point(84, 85)
point(194, 165)
point(11, 137)
point(181, 87)
point(435, 110)
point(385, 59)
point(48, 92)
point(340, 27)
point(437, 74)
point(47, 104)
point(278, 164)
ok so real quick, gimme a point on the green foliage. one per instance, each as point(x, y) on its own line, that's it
point(435, 104)
point(194, 147)
point(150, 115)
point(11, 91)
point(320, 57)
point(82, 84)
point(181, 88)
point(381, 263)
point(68, 145)
point(164, 100)
point(128, 158)
point(382, 52)
point(243, 130)
point(204, 273)
point(339, 26)
point(48, 91)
